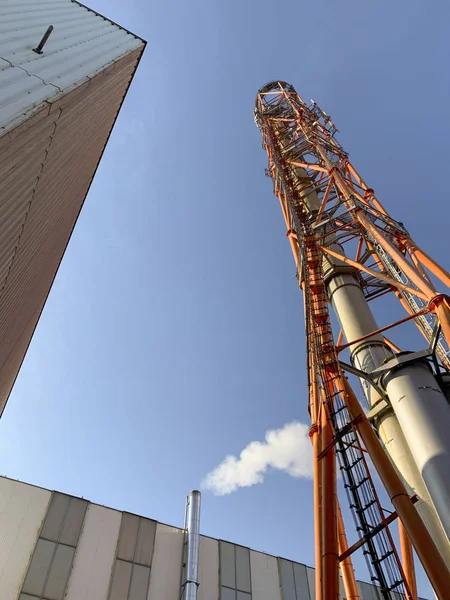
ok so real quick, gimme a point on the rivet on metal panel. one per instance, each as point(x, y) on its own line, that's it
point(45, 37)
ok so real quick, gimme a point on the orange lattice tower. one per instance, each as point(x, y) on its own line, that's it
point(331, 215)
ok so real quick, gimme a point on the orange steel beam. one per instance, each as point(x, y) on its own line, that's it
point(391, 345)
point(385, 278)
point(429, 556)
point(330, 549)
point(362, 183)
point(406, 267)
point(307, 166)
point(387, 521)
point(381, 329)
point(315, 436)
point(348, 574)
point(429, 263)
point(407, 560)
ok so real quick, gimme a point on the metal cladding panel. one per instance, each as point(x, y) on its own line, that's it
point(139, 583)
point(165, 576)
point(22, 510)
point(227, 594)
point(265, 579)
point(46, 167)
point(301, 582)
point(227, 564)
point(128, 537)
point(59, 572)
point(81, 44)
point(243, 581)
point(121, 580)
point(367, 591)
point(72, 523)
point(40, 564)
point(55, 517)
point(94, 557)
point(287, 580)
point(208, 571)
point(145, 542)
point(311, 581)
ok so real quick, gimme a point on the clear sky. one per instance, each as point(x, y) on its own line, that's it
point(173, 335)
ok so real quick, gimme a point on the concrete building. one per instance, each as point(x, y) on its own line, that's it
point(54, 547)
point(58, 105)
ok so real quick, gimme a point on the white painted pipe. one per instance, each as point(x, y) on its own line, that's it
point(424, 416)
point(357, 320)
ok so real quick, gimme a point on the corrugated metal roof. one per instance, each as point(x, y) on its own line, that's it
point(81, 45)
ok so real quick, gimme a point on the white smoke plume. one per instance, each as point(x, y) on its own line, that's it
point(287, 449)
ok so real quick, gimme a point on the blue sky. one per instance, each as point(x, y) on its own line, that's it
point(173, 334)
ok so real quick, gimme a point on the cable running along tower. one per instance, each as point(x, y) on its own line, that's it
point(349, 254)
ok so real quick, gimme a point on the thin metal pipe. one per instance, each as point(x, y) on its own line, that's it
point(43, 41)
point(193, 545)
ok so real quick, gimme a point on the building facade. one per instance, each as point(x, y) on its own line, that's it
point(54, 547)
point(58, 105)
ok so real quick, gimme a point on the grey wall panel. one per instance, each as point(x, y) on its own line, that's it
point(301, 582)
point(139, 583)
point(265, 578)
point(311, 581)
point(55, 517)
point(40, 564)
point(227, 594)
point(22, 511)
point(165, 574)
point(367, 591)
point(121, 580)
point(26, 597)
point(94, 557)
point(287, 579)
point(243, 596)
point(243, 582)
point(72, 523)
point(208, 575)
point(145, 542)
point(59, 573)
point(227, 564)
point(128, 536)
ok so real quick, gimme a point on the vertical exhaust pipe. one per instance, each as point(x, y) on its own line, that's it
point(193, 544)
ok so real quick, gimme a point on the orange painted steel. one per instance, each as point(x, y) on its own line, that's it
point(325, 202)
point(315, 436)
point(407, 560)
point(429, 263)
point(348, 574)
point(380, 276)
point(330, 543)
point(391, 345)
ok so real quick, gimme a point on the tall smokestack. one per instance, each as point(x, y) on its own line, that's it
point(193, 544)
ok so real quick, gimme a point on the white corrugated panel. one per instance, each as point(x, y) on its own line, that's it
point(22, 510)
point(95, 554)
point(265, 580)
point(81, 44)
point(165, 575)
point(208, 568)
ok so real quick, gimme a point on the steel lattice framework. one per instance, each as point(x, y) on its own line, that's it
point(331, 214)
